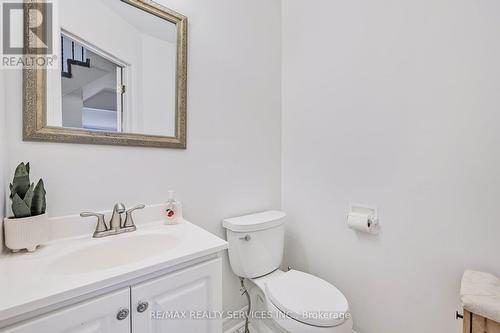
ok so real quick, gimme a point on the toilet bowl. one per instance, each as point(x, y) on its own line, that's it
point(293, 301)
point(298, 302)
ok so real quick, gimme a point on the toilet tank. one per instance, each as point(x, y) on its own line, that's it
point(256, 243)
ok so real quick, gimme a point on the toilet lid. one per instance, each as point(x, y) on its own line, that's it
point(308, 299)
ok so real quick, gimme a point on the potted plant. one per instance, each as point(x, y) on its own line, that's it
point(28, 228)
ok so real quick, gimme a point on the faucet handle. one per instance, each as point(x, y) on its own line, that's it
point(129, 221)
point(101, 224)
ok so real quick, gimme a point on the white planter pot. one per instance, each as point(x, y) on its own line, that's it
point(27, 232)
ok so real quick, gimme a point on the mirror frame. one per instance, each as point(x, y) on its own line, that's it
point(35, 94)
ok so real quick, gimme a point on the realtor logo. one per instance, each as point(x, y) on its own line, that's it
point(39, 49)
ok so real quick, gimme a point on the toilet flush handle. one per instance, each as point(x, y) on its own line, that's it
point(246, 238)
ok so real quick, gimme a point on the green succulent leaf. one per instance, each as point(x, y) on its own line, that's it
point(19, 207)
point(38, 203)
point(28, 198)
point(21, 183)
point(22, 170)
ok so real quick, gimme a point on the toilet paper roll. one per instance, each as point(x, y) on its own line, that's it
point(362, 222)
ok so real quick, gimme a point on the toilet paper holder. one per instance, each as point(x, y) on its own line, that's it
point(368, 214)
point(372, 221)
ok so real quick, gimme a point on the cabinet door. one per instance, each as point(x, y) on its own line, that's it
point(98, 315)
point(187, 301)
point(477, 324)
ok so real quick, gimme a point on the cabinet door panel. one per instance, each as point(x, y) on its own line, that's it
point(477, 324)
point(172, 300)
point(98, 315)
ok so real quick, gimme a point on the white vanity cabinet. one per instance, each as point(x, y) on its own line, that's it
point(161, 304)
point(98, 315)
point(186, 301)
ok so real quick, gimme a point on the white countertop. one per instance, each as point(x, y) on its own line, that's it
point(480, 294)
point(28, 281)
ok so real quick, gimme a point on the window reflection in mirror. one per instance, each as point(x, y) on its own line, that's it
point(118, 70)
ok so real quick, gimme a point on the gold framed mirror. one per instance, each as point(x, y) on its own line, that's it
point(137, 47)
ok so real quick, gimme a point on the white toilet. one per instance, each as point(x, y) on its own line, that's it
point(292, 301)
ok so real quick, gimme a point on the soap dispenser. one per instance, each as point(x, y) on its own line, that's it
point(171, 210)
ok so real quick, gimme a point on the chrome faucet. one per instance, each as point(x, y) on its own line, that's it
point(116, 219)
point(116, 225)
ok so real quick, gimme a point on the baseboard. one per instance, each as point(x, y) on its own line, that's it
point(232, 325)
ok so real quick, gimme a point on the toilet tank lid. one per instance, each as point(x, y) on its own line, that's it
point(255, 222)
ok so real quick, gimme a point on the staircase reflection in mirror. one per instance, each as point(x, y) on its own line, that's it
point(92, 89)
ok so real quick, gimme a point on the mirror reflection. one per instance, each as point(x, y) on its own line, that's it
point(118, 69)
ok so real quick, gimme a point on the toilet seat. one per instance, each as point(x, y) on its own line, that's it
point(308, 299)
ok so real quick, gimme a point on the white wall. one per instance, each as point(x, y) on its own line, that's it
point(158, 93)
point(72, 105)
point(232, 163)
point(394, 103)
point(3, 157)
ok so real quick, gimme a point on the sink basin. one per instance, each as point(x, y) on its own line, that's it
point(112, 252)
